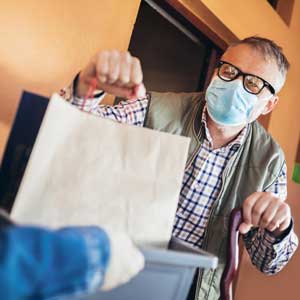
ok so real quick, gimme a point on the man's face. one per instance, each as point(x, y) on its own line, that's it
point(248, 60)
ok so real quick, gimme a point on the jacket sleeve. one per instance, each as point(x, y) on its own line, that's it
point(269, 254)
point(36, 263)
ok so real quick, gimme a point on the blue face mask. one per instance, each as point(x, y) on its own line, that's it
point(228, 103)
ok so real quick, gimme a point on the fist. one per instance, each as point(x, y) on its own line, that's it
point(115, 72)
point(267, 211)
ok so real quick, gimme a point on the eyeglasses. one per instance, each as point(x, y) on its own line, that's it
point(252, 83)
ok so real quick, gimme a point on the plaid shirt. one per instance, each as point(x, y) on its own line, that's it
point(201, 186)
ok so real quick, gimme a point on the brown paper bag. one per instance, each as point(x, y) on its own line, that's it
point(86, 170)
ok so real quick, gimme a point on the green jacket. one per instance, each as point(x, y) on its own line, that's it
point(254, 167)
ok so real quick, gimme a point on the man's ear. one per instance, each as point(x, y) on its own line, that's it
point(270, 105)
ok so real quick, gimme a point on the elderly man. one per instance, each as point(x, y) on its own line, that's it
point(232, 162)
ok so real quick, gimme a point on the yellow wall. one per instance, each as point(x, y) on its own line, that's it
point(44, 43)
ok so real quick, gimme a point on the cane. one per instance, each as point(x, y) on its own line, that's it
point(231, 267)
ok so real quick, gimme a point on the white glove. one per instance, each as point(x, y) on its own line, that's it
point(125, 262)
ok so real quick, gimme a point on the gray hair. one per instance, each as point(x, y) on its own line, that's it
point(269, 50)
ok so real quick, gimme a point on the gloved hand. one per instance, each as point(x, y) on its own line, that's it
point(125, 260)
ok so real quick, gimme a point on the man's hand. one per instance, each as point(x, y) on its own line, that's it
point(264, 210)
point(117, 73)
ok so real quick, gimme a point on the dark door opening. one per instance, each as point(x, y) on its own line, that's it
point(175, 56)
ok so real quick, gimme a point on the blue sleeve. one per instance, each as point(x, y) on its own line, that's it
point(36, 263)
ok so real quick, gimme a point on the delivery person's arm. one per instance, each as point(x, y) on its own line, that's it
point(37, 263)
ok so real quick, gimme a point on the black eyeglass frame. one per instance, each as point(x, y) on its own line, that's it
point(241, 73)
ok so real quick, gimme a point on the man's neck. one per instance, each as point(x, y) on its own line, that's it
point(222, 135)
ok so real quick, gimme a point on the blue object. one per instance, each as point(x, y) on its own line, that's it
point(37, 264)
